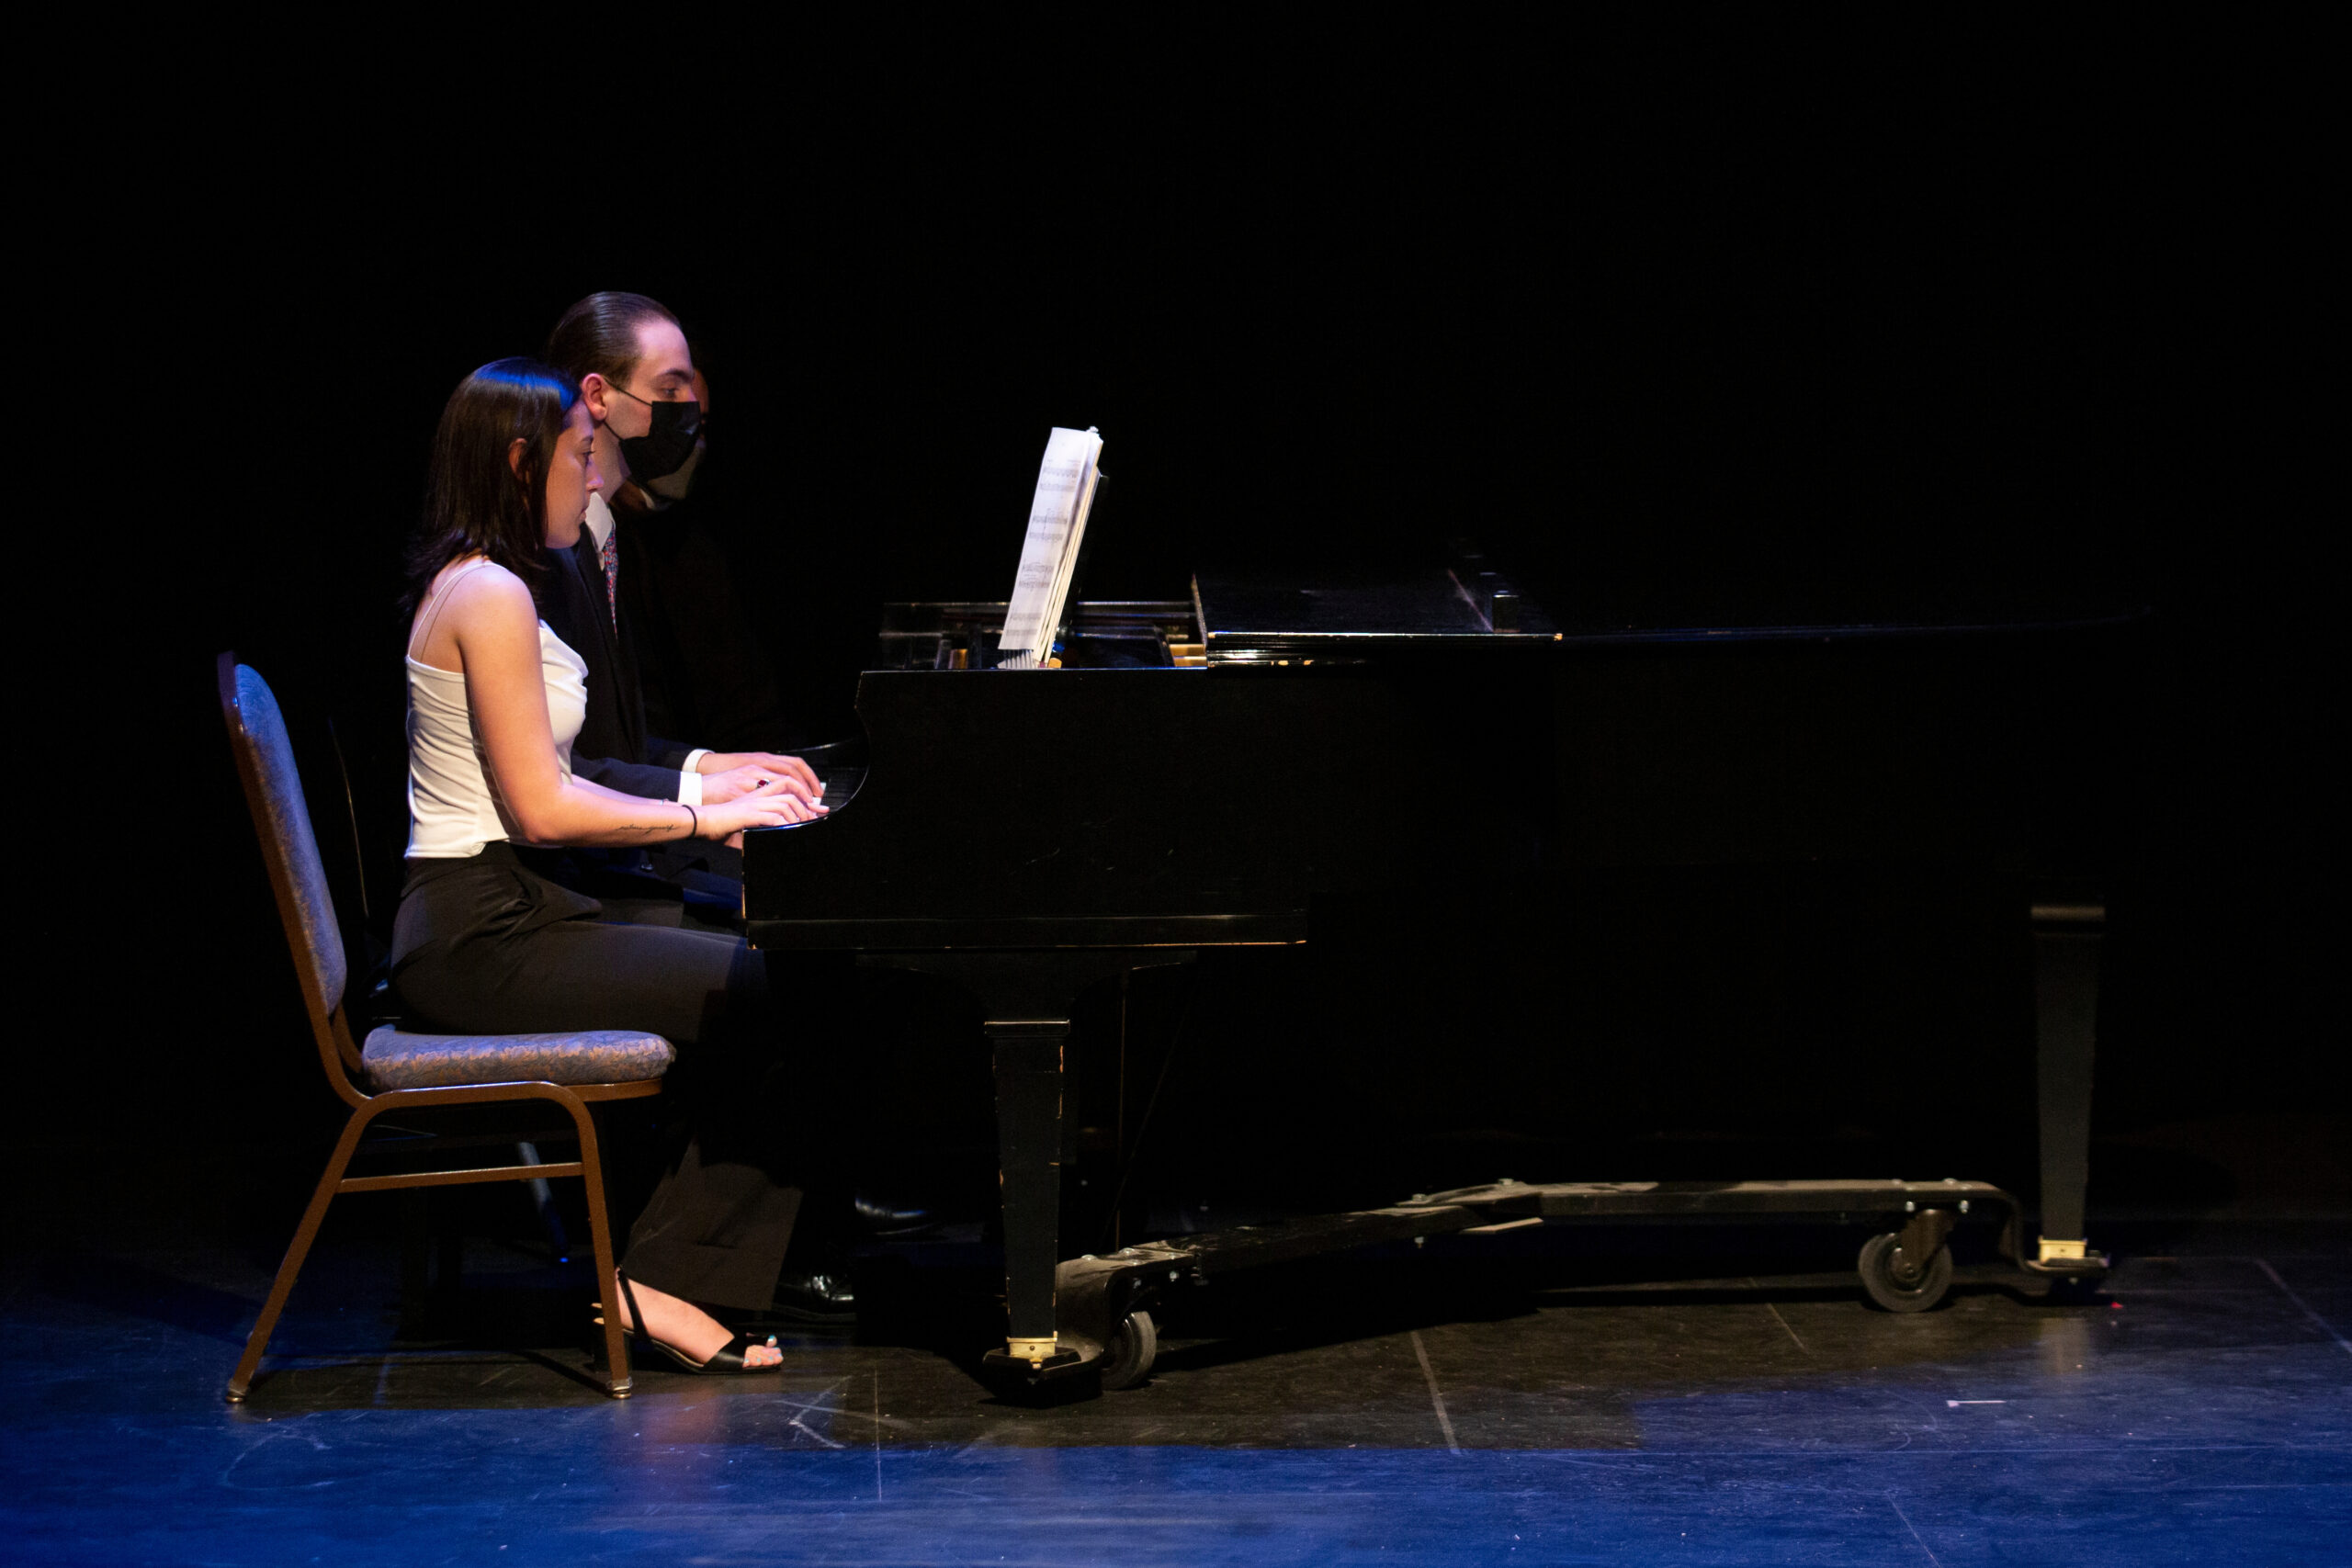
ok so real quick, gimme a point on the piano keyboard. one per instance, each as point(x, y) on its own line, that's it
point(839, 784)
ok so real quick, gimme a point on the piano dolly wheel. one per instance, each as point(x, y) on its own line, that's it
point(1126, 1359)
point(1899, 1283)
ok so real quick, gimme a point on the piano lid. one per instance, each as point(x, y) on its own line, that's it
point(1257, 621)
point(1344, 619)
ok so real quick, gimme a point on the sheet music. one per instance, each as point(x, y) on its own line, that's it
point(1066, 482)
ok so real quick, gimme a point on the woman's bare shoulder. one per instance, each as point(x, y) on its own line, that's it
point(485, 585)
point(474, 602)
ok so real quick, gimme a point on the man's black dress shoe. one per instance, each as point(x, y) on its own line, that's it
point(880, 1216)
point(808, 1296)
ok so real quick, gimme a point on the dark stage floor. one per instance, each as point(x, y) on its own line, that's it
point(1548, 1399)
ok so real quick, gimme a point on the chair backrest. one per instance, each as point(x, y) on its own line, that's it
point(282, 819)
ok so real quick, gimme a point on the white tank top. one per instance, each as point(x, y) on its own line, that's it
point(453, 805)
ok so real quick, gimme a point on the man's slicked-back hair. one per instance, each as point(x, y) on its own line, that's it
point(599, 334)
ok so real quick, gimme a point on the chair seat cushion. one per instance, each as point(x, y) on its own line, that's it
point(397, 1060)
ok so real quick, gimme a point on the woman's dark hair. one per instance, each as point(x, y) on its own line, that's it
point(600, 335)
point(476, 501)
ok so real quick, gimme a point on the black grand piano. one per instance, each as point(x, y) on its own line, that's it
point(1220, 772)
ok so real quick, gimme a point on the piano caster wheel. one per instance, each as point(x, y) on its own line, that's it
point(1126, 1361)
point(1900, 1283)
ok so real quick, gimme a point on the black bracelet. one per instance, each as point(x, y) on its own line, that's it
point(694, 830)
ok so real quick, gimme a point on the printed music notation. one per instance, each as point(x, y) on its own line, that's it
point(1067, 478)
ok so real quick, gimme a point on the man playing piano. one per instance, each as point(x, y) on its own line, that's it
point(634, 372)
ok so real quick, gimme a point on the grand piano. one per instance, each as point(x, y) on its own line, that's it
point(1239, 768)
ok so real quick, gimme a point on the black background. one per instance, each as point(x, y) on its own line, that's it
point(1729, 314)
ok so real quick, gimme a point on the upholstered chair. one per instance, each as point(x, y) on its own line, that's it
point(403, 1072)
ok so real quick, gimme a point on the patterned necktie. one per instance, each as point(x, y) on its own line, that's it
point(609, 552)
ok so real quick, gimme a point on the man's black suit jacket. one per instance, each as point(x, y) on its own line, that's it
point(701, 667)
point(614, 749)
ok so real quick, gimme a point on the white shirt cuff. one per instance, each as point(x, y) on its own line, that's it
point(689, 786)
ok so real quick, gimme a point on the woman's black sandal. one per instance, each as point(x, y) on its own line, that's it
point(724, 1361)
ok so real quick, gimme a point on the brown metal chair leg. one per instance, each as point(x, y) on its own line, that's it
point(600, 1236)
point(240, 1381)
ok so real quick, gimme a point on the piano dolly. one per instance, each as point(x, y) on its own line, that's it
point(1905, 1265)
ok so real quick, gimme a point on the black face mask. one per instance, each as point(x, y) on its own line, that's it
point(663, 449)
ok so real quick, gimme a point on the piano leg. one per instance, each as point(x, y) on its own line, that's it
point(1026, 998)
point(1029, 1066)
point(2066, 939)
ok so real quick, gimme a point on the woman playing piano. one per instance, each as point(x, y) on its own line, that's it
point(484, 944)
